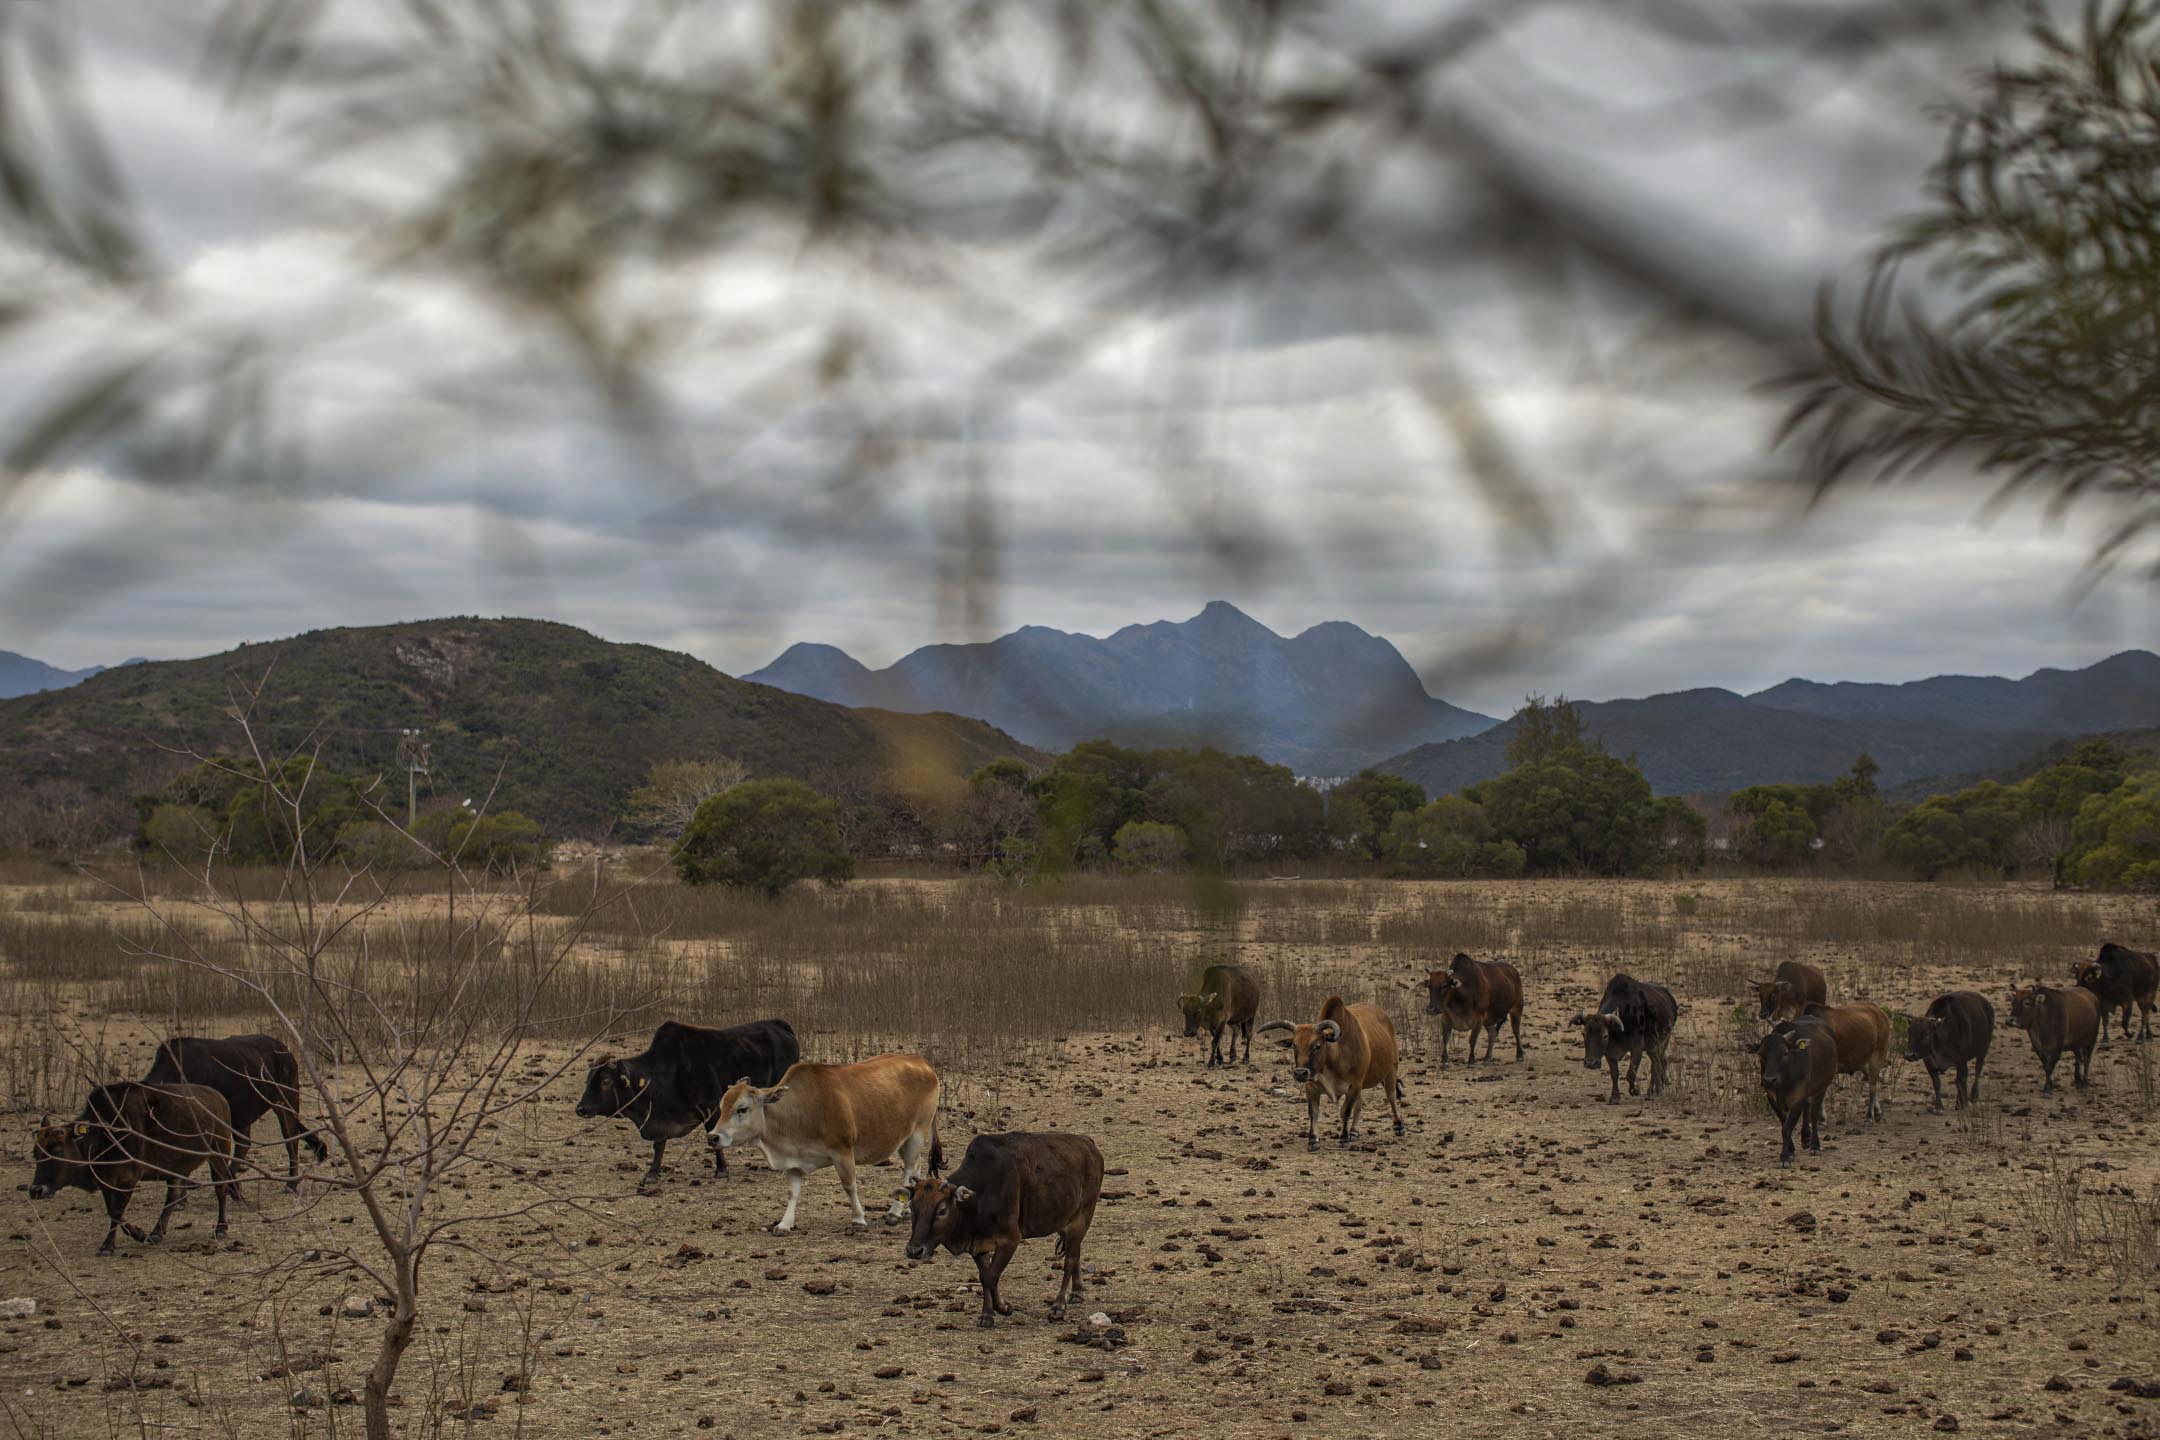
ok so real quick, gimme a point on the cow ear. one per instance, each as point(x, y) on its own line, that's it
point(963, 1194)
point(775, 1093)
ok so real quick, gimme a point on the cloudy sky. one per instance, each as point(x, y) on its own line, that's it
point(1493, 446)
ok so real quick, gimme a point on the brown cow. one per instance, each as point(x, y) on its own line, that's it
point(129, 1132)
point(2058, 1020)
point(1799, 1065)
point(1475, 995)
point(1228, 998)
point(842, 1116)
point(1009, 1188)
point(1862, 1032)
point(1350, 1049)
point(1791, 990)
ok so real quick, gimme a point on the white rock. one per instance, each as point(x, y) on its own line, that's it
point(358, 1307)
point(1098, 1321)
point(17, 1309)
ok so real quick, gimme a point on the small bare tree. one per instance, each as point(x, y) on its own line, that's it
point(674, 789)
point(412, 1013)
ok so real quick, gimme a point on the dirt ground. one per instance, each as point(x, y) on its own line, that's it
point(1525, 1261)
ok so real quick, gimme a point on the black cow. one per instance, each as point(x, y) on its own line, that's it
point(1956, 1032)
point(1228, 999)
point(1799, 1064)
point(256, 1075)
point(677, 1084)
point(2120, 977)
point(1635, 1018)
point(1012, 1187)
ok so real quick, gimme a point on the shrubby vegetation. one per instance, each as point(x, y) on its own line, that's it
point(2075, 820)
point(764, 835)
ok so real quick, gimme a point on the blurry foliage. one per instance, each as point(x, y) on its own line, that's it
point(2030, 350)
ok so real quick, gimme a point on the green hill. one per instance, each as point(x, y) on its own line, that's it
point(568, 721)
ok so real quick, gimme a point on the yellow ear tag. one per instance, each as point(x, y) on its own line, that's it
point(81, 1128)
point(1801, 1046)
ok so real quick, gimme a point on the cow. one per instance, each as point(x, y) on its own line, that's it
point(1475, 995)
point(1956, 1032)
point(128, 1132)
point(842, 1116)
point(1634, 1018)
point(1012, 1187)
point(1791, 990)
point(1799, 1065)
point(1228, 999)
point(256, 1075)
point(676, 1084)
point(1350, 1049)
point(2118, 978)
point(2056, 1020)
point(1862, 1032)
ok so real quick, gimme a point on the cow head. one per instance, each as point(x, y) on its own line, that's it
point(62, 1158)
point(1928, 1039)
point(1308, 1046)
point(742, 1113)
point(610, 1089)
point(2088, 974)
point(1784, 1055)
point(1439, 984)
point(1603, 1034)
point(938, 1213)
point(1199, 1010)
point(2026, 1003)
point(1779, 998)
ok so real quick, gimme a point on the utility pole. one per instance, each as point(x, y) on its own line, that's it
point(413, 755)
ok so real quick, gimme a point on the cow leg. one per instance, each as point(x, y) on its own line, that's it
point(651, 1182)
point(1312, 1117)
point(2145, 1012)
point(1445, 1034)
point(2047, 1068)
point(1612, 1064)
point(228, 1185)
point(288, 1124)
point(1516, 1020)
point(1935, 1079)
point(998, 1263)
point(794, 1194)
point(1634, 1064)
point(172, 1202)
point(1214, 1059)
point(1874, 1094)
point(1245, 1029)
point(1069, 1282)
point(1788, 1120)
point(1393, 1090)
point(1492, 1038)
point(1349, 1116)
point(844, 1166)
point(2081, 1068)
point(986, 1277)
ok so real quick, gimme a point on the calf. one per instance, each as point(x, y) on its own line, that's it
point(1475, 995)
point(1634, 1018)
point(2118, 978)
point(1956, 1032)
point(1229, 999)
point(1009, 1188)
point(1791, 990)
point(676, 1085)
point(842, 1116)
point(1350, 1049)
point(128, 1132)
point(256, 1075)
point(2055, 1021)
point(1799, 1064)
point(1862, 1032)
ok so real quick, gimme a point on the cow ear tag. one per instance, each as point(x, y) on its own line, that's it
point(81, 1128)
point(1801, 1046)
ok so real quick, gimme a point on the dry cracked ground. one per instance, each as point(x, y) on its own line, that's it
point(1526, 1260)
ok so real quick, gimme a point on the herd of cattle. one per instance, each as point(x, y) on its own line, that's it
point(201, 1097)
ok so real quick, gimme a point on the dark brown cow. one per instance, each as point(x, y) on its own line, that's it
point(1799, 1065)
point(2120, 977)
point(1475, 995)
point(1863, 1044)
point(2056, 1020)
point(129, 1132)
point(1228, 998)
point(1011, 1187)
point(1956, 1031)
point(1633, 1018)
point(256, 1074)
point(1350, 1049)
point(1791, 990)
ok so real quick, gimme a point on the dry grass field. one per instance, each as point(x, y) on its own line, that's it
point(1524, 1261)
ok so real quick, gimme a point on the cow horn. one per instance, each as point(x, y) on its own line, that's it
point(1330, 1031)
point(1582, 1017)
point(1618, 1023)
point(1275, 1025)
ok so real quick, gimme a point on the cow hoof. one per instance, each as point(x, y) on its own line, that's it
point(218, 1234)
point(985, 1322)
point(781, 1230)
point(106, 1248)
point(858, 1226)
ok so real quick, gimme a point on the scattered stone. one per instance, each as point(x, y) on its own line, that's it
point(18, 1309)
point(357, 1307)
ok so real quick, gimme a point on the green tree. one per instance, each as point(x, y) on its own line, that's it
point(1451, 838)
point(763, 835)
point(1576, 810)
point(1544, 729)
point(1149, 845)
point(2116, 840)
point(1362, 808)
point(1783, 833)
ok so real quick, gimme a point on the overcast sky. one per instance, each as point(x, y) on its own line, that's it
point(1275, 443)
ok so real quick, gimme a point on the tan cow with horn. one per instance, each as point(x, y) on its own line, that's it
point(1350, 1049)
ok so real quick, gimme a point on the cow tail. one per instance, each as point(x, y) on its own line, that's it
point(1400, 1097)
point(937, 1149)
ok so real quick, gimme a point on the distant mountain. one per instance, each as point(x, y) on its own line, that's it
point(569, 722)
point(21, 675)
point(1328, 701)
point(1806, 732)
